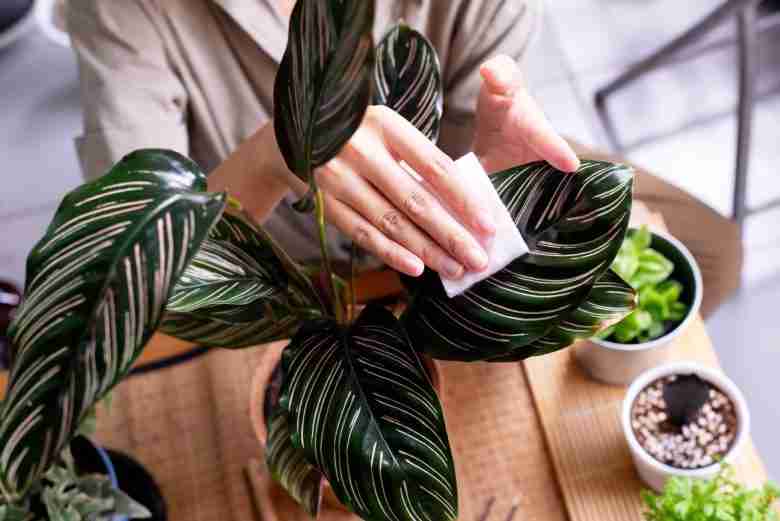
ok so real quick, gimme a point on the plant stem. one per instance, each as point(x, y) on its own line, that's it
point(352, 277)
point(338, 307)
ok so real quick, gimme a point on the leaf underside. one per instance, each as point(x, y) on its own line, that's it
point(289, 467)
point(323, 86)
point(238, 291)
point(96, 287)
point(574, 225)
point(363, 410)
point(407, 78)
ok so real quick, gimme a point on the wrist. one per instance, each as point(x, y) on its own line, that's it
point(255, 173)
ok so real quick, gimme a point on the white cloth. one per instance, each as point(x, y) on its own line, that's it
point(507, 244)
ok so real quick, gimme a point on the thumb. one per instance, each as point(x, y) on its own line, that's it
point(501, 75)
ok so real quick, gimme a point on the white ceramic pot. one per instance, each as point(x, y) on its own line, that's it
point(619, 364)
point(655, 473)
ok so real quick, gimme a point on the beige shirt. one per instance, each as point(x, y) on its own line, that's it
point(197, 76)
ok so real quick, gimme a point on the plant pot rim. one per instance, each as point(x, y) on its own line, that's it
point(714, 376)
point(680, 327)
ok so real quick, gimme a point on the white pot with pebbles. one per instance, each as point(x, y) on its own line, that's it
point(683, 419)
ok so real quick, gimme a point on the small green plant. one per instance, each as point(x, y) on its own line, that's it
point(647, 271)
point(722, 498)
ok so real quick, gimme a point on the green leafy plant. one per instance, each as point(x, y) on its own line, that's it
point(647, 271)
point(146, 248)
point(722, 498)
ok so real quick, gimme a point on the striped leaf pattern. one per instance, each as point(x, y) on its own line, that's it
point(240, 290)
point(363, 410)
point(407, 78)
point(323, 86)
point(289, 467)
point(573, 224)
point(610, 300)
point(97, 284)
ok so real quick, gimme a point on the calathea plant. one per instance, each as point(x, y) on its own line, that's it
point(147, 248)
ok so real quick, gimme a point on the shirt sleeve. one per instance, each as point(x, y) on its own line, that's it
point(485, 29)
point(130, 95)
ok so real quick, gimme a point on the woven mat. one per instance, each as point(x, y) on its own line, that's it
point(581, 420)
point(190, 426)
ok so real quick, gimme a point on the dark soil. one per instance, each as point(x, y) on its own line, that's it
point(701, 442)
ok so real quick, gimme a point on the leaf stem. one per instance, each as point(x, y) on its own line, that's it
point(338, 307)
point(353, 251)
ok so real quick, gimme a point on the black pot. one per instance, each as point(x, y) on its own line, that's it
point(123, 472)
point(12, 11)
point(10, 297)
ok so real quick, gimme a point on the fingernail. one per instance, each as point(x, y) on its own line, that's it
point(478, 259)
point(452, 269)
point(486, 223)
point(413, 265)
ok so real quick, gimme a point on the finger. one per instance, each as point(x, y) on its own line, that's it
point(419, 205)
point(437, 168)
point(371, 239)
point(537, 131)
point(501, 75)
point(351, 189)
point(503, 80)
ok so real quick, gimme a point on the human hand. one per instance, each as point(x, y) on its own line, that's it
point(511, 128)
point(373, 200)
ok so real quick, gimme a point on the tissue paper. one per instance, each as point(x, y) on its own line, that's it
point(506, 245)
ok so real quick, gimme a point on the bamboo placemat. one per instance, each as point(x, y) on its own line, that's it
point(190, 426)
point(581, 421)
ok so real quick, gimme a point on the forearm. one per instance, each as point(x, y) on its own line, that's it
point(255, 174)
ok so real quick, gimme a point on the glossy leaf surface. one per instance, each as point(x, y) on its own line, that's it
point(407, 78)
point(610, 300)
point(240, 290)
point(97, 284)
point(323, 86)
point(363, 410)
point(573, 224)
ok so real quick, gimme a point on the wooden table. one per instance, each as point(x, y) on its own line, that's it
point(533, 436)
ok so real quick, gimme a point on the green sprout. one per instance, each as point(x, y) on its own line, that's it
point(647, 271)
point(721, 498)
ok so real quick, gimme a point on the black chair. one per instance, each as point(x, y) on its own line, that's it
point(749, 26)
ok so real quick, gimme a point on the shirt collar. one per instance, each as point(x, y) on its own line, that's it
point(268, 28)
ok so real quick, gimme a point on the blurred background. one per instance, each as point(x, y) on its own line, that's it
point(679, 121)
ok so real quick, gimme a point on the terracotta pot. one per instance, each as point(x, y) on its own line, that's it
point(257, 404)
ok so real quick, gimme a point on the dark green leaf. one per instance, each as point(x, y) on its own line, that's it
point(364, 411)
point(574, 225)
point(289, 467)
point(407, 78)
point(97, 284)
point(240, 290)
point(609, 300)
point(323, 86)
